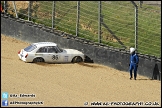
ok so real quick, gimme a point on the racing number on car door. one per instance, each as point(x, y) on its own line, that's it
point(55, 57)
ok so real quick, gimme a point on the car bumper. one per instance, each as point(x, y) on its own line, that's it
point(22, 58)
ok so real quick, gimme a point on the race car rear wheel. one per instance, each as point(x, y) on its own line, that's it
point(77, 59)
point(38, 59)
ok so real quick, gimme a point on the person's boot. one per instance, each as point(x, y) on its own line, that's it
point(130, 78)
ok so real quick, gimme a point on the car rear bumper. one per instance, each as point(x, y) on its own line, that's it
point(22, 58)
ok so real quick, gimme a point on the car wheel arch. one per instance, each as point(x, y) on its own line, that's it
point(39, 58)
point(75, 59)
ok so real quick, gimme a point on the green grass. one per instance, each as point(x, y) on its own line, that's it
point(118, 18)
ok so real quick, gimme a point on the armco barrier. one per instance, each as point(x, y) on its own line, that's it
point(98, 53)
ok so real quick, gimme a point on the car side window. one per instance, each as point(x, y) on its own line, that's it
point(42, 50)
point(52, 49)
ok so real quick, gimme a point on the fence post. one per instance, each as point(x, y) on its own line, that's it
point(140, 3)
point(15, 9)
point(99, 21)
point(136, 25)
point(77, 21)
point(53, 15)
point(29, 10)
point(5, 7)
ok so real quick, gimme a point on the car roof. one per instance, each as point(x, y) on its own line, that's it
point(45, 44)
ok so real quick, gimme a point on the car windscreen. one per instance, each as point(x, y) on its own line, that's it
point(30, 48)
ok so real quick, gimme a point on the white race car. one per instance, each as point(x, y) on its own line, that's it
point(49, 52)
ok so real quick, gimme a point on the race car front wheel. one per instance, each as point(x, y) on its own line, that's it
point(77, 59)
point(38, 59)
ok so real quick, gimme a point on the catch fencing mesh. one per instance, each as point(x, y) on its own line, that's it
point(117, 20)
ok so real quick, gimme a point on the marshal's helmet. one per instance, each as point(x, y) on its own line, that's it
point(132, 50)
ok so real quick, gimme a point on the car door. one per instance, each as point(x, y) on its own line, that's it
point(53, 55)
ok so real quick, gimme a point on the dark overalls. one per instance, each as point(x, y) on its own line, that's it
point(133, 64)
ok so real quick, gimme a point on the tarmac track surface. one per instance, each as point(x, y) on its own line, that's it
point(70, 84)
